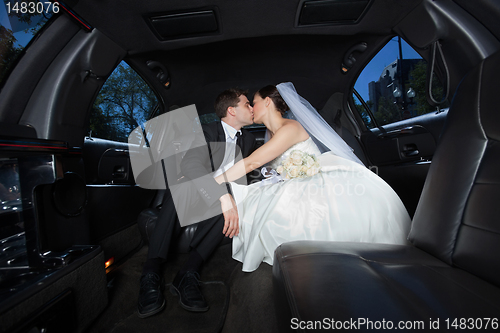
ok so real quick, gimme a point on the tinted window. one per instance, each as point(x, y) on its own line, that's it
point(365, 115)
point(208, 118)
point(392, 86)
point(19, 23)
point(124, 103)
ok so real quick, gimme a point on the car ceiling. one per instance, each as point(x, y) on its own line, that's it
point(259, 43)
point(125, 22)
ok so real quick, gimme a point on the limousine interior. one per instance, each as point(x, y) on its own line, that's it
point(409, 85)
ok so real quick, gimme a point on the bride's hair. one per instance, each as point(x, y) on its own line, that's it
point(273, 93)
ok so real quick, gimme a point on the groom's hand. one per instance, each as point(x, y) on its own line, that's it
point(231, 225)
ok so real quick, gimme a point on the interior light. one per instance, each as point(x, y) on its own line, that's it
point(109, 262)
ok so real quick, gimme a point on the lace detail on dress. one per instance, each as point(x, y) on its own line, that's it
point(307, 146)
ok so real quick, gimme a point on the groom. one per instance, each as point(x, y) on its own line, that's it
point(235, 111)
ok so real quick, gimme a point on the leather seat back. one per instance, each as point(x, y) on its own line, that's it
point(458, 216)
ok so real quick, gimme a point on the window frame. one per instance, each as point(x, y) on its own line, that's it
point(355, 94)
point(157, 110)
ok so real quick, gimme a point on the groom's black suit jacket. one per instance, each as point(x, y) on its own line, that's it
point(198, 163)
point(198, 166)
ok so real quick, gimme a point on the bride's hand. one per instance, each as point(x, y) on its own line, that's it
point(230, 212)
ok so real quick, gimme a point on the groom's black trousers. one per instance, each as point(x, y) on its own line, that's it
point(207, 236)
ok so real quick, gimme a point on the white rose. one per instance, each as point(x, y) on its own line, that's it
point(294, 172)
point(280, 169)
point(310, 161)
point(296, 157)
point(287, 164)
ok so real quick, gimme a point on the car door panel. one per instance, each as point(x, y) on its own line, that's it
point(114, 167)
point(47, 263)
point(402, 153)
point(114, 200)
point(401, 145)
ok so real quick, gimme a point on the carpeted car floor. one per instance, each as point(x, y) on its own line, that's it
point(239, 302)
point(175, 319)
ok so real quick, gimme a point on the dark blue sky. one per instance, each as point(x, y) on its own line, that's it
point(387, 55)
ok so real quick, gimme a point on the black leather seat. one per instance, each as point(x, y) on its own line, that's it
point(148, 218)
point(452, 268)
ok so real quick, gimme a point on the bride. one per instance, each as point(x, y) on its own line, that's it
point(330, 196)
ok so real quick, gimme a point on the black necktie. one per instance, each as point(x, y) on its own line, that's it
point(239, 142)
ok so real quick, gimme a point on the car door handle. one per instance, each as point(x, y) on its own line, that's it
point(410, 153)
point(119, 172)
point(415, 129)
point(410, 150)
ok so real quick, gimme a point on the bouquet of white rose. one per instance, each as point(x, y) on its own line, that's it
point(299, 165)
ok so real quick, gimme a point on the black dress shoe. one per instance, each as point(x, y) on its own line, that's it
point(151, 300)
point(188, 290)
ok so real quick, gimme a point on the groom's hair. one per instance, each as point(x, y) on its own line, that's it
point(227, 98)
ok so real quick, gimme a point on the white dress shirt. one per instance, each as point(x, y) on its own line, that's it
point(229, 157)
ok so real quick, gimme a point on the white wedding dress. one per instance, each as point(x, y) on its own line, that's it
point(344, 202)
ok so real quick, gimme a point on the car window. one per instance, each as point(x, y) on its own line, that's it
point(208, 118)
point(391, 87)
point(20, 22)
point(124, 103)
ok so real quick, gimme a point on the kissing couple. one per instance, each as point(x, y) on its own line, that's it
point(314, 194)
